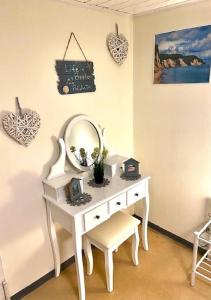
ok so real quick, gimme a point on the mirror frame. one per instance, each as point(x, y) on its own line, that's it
point(68, 129)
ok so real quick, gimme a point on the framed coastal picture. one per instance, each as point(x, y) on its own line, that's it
point(183, 56)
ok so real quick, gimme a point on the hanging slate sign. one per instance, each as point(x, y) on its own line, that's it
point(75, 76)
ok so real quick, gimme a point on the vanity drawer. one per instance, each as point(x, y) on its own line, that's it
point(117, 203)
point(136, 194)
point(96, 216)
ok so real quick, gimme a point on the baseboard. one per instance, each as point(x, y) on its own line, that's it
point(41, 280)
point(71, 260)
point(171, 235)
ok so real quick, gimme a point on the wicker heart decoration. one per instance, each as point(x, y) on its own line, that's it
point(22, 127)
point(118, 46)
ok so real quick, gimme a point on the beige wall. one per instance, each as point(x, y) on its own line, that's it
point(33, 34)
point(172, 124)
point(172, 128)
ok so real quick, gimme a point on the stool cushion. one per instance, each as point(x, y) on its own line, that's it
point(112, 230)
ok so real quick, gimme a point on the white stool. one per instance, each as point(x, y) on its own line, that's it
point(108, 236)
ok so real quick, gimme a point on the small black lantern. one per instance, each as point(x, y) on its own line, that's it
point(131, 167)
point(75, 189)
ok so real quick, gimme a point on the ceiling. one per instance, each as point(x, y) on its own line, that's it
point(133, 7)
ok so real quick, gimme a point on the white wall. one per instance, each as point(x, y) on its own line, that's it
point(172, 128)
point(33, 34)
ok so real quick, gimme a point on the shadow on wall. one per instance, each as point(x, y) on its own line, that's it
point(207, 213)
point(53, 156)
point(27, 229)
point(2, 114)
point(27, 202)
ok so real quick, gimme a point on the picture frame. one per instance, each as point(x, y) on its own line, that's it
point(183, 56)
point(75, 190)
point(131, 167)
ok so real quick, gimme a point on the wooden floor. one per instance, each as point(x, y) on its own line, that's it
point(163, 274)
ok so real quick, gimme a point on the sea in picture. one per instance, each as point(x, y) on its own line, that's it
point(189, 74)
point(183, 56)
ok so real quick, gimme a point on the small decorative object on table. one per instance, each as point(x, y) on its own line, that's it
point(131, 170)
point(76, 195)
point(99, 158)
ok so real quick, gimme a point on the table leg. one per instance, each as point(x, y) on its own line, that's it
point(195, 250)
point(54, 242)
point(145, 219)
point(77, 244)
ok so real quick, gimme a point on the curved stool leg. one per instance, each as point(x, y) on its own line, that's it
point(135, 245)
point(88, 254)
point(109, 269)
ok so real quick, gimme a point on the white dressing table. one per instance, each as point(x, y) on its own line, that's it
point(78, 220)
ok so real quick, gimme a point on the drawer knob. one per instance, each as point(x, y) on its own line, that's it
point(97, 217)
point(118, 203)
point(136, 194)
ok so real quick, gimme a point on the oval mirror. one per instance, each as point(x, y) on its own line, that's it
point(82, 135)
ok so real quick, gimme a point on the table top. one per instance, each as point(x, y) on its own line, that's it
point(116, 187)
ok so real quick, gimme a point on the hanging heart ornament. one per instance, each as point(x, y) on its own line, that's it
point(118, 46)
point(22, 127)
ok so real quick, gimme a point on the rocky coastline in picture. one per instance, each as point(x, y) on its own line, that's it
point(167, 61)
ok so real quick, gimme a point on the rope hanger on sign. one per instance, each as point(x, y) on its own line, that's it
point(68, 43)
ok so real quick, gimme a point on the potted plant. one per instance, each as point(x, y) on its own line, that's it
point(82, 158)
point(99, 158)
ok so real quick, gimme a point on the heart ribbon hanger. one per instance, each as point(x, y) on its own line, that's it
point(22, 126)
point(117, 46)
